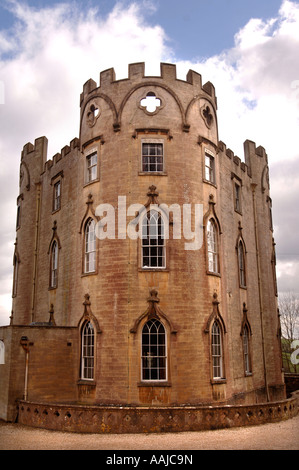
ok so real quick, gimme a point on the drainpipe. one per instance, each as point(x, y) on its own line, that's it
point(253, 186)
point(25, 345)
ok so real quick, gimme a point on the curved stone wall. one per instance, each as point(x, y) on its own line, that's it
point(125, 419)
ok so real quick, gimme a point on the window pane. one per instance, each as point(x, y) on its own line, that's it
point(152, 157)
point(54, 264)
point(241, 265)
point(90, 246)
point(153, 351)
point(217, 360)
point(91, 167)
point(212, 247)
point(87, 366)
point(209, 168)
point(153, 243)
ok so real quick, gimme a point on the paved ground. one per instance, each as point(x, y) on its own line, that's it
point(278, 436)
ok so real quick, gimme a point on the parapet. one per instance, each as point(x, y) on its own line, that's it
point(136, 73)
point(40, 145)
point(235, 160)
point(63, 153)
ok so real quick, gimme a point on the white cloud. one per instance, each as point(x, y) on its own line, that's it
point(53, 51)
point(43, 66)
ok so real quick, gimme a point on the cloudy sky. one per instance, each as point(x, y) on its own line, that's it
point(248, 49)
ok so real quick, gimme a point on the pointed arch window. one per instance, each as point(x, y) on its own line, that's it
point(212, 245)
point(87, 351)
point(153, 241)
point(54, 265)
point(153, 355)
point(217, 351)
point(241, 262)
point(90, 246)
point(15, 275)
point(246, 350)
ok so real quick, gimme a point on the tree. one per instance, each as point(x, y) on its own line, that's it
point(289, 319)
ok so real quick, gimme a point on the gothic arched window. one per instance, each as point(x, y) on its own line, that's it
point(153, 241)
point(153, 355)
point(212, 246)
point(15, 275)
point(241, 262)
point(217, 351)
point(90, 247)
point(87, 351)
point(54, 265)
point(246, 350)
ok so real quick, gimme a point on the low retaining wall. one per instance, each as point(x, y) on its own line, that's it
point(129, 419)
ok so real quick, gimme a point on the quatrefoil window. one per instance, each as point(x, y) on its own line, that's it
point(151, 103)
point(92, 114)
point(207, 115)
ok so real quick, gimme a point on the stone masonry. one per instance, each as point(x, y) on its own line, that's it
point(148, 141)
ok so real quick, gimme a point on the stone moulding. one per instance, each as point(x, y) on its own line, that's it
point(136, 419)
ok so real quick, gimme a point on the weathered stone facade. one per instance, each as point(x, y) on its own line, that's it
point(216, 306)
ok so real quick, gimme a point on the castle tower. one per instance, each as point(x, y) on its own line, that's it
point(127, 316)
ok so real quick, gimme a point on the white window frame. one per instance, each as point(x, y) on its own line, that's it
point(57, 196)
point(87, 351)
point(54, 265)
point(90, 247)
point(90, 169)
point(157, 357)
point(217, 351)
point(241, 264)
point(212, 247)
point(210, 169)
point(246, 350)
point(154, 142)
point(151, 234)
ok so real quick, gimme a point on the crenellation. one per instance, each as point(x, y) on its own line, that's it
point(210, 89)
point(88, 87)
point(65, 150)
point(261, 152)
point(136, 71)
point(229, 153)
point(28, 148)
point(168, 72)
point(75, 143)
point(107, 77)
point(50, 163)
point(57, 157)
point(236, 160)
point(222, 146)
point(244, 167)
point(194, 78)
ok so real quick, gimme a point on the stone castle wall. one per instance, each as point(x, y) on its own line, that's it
point(121, 295)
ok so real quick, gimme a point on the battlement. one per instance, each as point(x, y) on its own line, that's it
point(136, 73)
point(63, 153)
point(236, 161)
point(253, 155)
point(40, 144)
